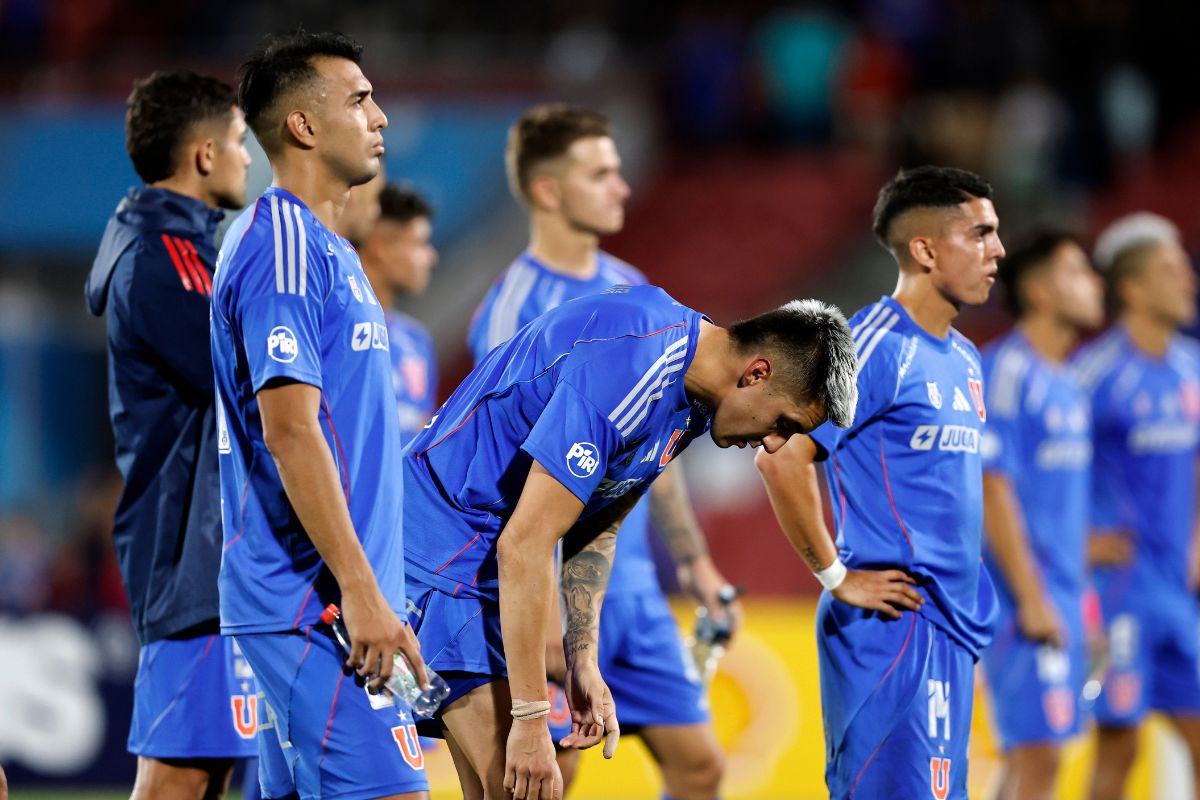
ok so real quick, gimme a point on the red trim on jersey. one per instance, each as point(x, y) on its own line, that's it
point(179, 247)
point(241, 513)
point(888, 485)
point(345, 470)
point(194, 257)
point(911, 626)
point(179, 268)
point(438, 571)
point(332, 710)
point(304, 603)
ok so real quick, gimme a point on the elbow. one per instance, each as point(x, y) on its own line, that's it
point(282, 438)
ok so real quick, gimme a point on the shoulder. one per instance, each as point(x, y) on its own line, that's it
point(965, 348)
point(621, 272)
point(1006, 365)
point(879, 338)
point(1098, 360)
point(1185, 354)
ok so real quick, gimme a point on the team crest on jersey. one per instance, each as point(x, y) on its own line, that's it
point(935, 394)
point(354, 288)
point(414, 370)
point(1189, 399)
point(976, 387)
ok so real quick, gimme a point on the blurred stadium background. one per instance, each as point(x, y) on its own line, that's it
point(755, 136)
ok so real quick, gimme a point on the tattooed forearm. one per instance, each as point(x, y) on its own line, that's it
point(812, 559)
point(584, 582)
point(674, 519)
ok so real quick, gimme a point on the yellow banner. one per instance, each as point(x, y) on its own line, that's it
point(767, 708)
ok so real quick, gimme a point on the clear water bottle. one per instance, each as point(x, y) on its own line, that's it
point(403, 683)
point(710, 635)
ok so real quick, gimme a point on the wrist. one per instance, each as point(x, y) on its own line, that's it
point(832, 576)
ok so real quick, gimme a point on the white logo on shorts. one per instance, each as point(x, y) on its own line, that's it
point(282, 345)
point(581, 459)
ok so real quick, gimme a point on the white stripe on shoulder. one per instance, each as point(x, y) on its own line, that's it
point(637, 393)
point(869, 318)
point(506, 311)
point(1093, 365)
point(637, 412)
point(278, 244)
point(1004, 385)
point(872, 336)
point(303, 249)
point(288, 224)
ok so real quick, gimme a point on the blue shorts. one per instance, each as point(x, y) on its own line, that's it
point(193, 698)
point(332, 738)
point(1153, 650)
point(897, 698)
point(1034, 687)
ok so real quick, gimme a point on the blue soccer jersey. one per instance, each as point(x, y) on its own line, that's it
point(291, 304)
point(593, 390)
point(906, 479)
point(414, 373)
point(525, 291)
point(1147, 423)
point(1038, 436)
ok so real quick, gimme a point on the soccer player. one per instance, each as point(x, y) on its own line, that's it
point(907, 490)
point(398, 257)
point(563, 166)
point(194, 697)
point(309, 438)
point(1037, 453)
point(554, 436)
point(1144, 381)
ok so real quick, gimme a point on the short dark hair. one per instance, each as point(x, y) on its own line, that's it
point(1032, 253)
point(813, 352)
point(279, 65)
point(402, 203)
point(162, 111)
point(543, 133)
point(924, 187)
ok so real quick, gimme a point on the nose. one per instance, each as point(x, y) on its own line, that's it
point(623, 190)
point(999, 247)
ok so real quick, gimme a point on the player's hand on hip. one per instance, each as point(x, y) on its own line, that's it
point(1038, 620)
point(593, 712)
point(886, 591)
point(1109, 548)
point(530, 769)
point(376, 634)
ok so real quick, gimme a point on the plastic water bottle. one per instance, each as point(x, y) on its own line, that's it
point(710, 636)
point(403, 683)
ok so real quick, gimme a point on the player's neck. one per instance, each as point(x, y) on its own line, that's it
point(562, 249)
point(188, 186)
point(927, 307)
point(715, 366)
point(312, 184)
point(1148, 334)
point(1052, 339)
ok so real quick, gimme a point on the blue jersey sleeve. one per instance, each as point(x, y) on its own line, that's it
point(278, 309)
point(573, 441)
point(878, 381)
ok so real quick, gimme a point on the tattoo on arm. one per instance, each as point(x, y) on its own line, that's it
point(674, 519)
point(584, 582)
point(810, 556)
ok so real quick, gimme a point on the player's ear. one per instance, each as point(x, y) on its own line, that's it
point(300, 125)
point(206, 156)
point(920, 251)
point(544, 192)
point(756, 371)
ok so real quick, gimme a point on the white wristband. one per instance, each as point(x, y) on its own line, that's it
point(832, 576)
point(530, 709)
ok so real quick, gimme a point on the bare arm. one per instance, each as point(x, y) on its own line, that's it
point(1004, 526)
point(292, 433)
point(790, 477)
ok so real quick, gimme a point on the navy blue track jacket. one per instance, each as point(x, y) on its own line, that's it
point(153, 276)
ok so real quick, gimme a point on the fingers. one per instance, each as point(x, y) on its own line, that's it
point(613, 736)
point(510, 776)
point(411, 649)
point(553, 789)
point(520, 785)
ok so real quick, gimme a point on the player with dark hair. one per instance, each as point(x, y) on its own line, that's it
point(564, 168)
point(554, 436)
point(398, 257)
point(309, 440)
point(1037, 453)
point(1144, 382)
point(907, 490)
point(194, 698)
